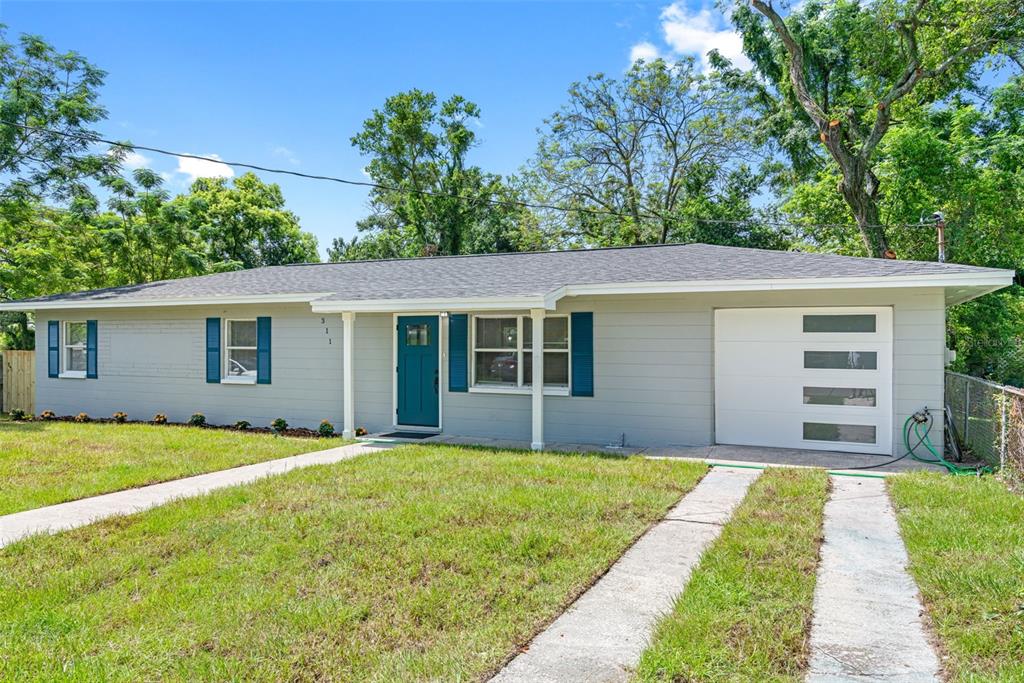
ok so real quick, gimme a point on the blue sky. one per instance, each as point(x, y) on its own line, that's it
point(287, 84)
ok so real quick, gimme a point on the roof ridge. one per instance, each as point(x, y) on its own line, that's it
point(496, 253)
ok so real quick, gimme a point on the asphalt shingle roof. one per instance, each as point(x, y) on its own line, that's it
point(526, 274)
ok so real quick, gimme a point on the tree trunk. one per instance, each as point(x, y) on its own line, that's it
point(862, 202)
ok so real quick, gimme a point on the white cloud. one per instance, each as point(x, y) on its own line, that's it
point(135, 160)
point(209, 166)
point(697, 32)
point(283, 152)
point(645, 50)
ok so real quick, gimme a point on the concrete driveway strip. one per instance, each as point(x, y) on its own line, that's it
point(867, 616)
point(87, 510)
point(602, 635)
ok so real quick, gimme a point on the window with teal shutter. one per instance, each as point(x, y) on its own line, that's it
point(53, 348)
point(582, 354)
point(458, 352)
point(213, 350)
point(263, 350)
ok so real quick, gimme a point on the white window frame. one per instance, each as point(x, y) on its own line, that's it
point(225, 378)
point(65, 347)
point(522, 320)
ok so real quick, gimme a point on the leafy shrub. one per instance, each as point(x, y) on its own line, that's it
point(242, 425)
point(197, 420)
point(120, 417)
point(326, 429)
point(19, 415)
point(160, 419)
point(47, 415)
point(279, 425)
point(360, 431)
point(82, 417)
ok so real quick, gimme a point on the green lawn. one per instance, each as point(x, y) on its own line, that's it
point(965, 538)
point(745, 614)
point(42, 463)
point(423, 562)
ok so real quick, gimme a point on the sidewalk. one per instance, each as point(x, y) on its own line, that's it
point(602, 635)
point(867, 616)
point(87, 510)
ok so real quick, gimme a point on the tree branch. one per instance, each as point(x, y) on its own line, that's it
point(796, 57)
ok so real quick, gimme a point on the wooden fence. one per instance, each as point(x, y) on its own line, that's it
point(19, 381)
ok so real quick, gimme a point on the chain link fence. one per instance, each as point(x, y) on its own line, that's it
point(989, 418)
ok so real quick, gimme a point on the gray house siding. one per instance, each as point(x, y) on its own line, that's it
point(373, 354)
point(653, 368)
point(152, 360)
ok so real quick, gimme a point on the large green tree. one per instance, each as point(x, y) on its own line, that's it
point(838, 76)
point(244, 223)
point(644, 158)
point(48, 101)
point(147, 236)
point(44, 251)
point(429, 199)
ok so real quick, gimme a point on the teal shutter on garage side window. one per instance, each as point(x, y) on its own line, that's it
point(582, 354)
point(263, 350)
point(213, 350)
point(52, 348)
point(91, 341)
point(458, 352)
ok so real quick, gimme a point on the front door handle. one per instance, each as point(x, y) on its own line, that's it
point(435, 380)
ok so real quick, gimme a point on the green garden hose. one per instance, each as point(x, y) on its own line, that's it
point(924, 417)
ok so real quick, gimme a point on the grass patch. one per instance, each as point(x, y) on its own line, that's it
point(42, 463)
point(422, 562)
point(745, 614)
point(965, 538)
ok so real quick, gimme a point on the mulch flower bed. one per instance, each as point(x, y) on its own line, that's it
point(298, 432)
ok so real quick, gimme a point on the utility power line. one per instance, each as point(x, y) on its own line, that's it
point(85, 137)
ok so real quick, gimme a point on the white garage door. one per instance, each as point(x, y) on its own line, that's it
point(817, 378)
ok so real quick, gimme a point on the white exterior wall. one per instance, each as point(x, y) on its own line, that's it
point(653, 368)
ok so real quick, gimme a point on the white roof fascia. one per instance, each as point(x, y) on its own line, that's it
point(182, 301)
point(994, 279)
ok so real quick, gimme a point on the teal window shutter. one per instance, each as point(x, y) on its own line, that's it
point(213, 350)
point(582, 354)
point(263, 350)
point(53, 348)
point(91, 369)
point(458, 352)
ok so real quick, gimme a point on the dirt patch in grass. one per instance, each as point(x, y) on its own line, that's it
point(965, 539)
point(746, 613)
point(363, 570)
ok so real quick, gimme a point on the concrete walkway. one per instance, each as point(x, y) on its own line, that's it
point(602, 635)
point(87, 510)
point(712, 455)
point(867, 617)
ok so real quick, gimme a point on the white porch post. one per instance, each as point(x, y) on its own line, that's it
point(348, 319)
point(537, 320)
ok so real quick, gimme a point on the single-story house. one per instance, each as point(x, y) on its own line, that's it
point(647, 346)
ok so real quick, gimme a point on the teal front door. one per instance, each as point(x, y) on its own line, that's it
point(418, 378)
